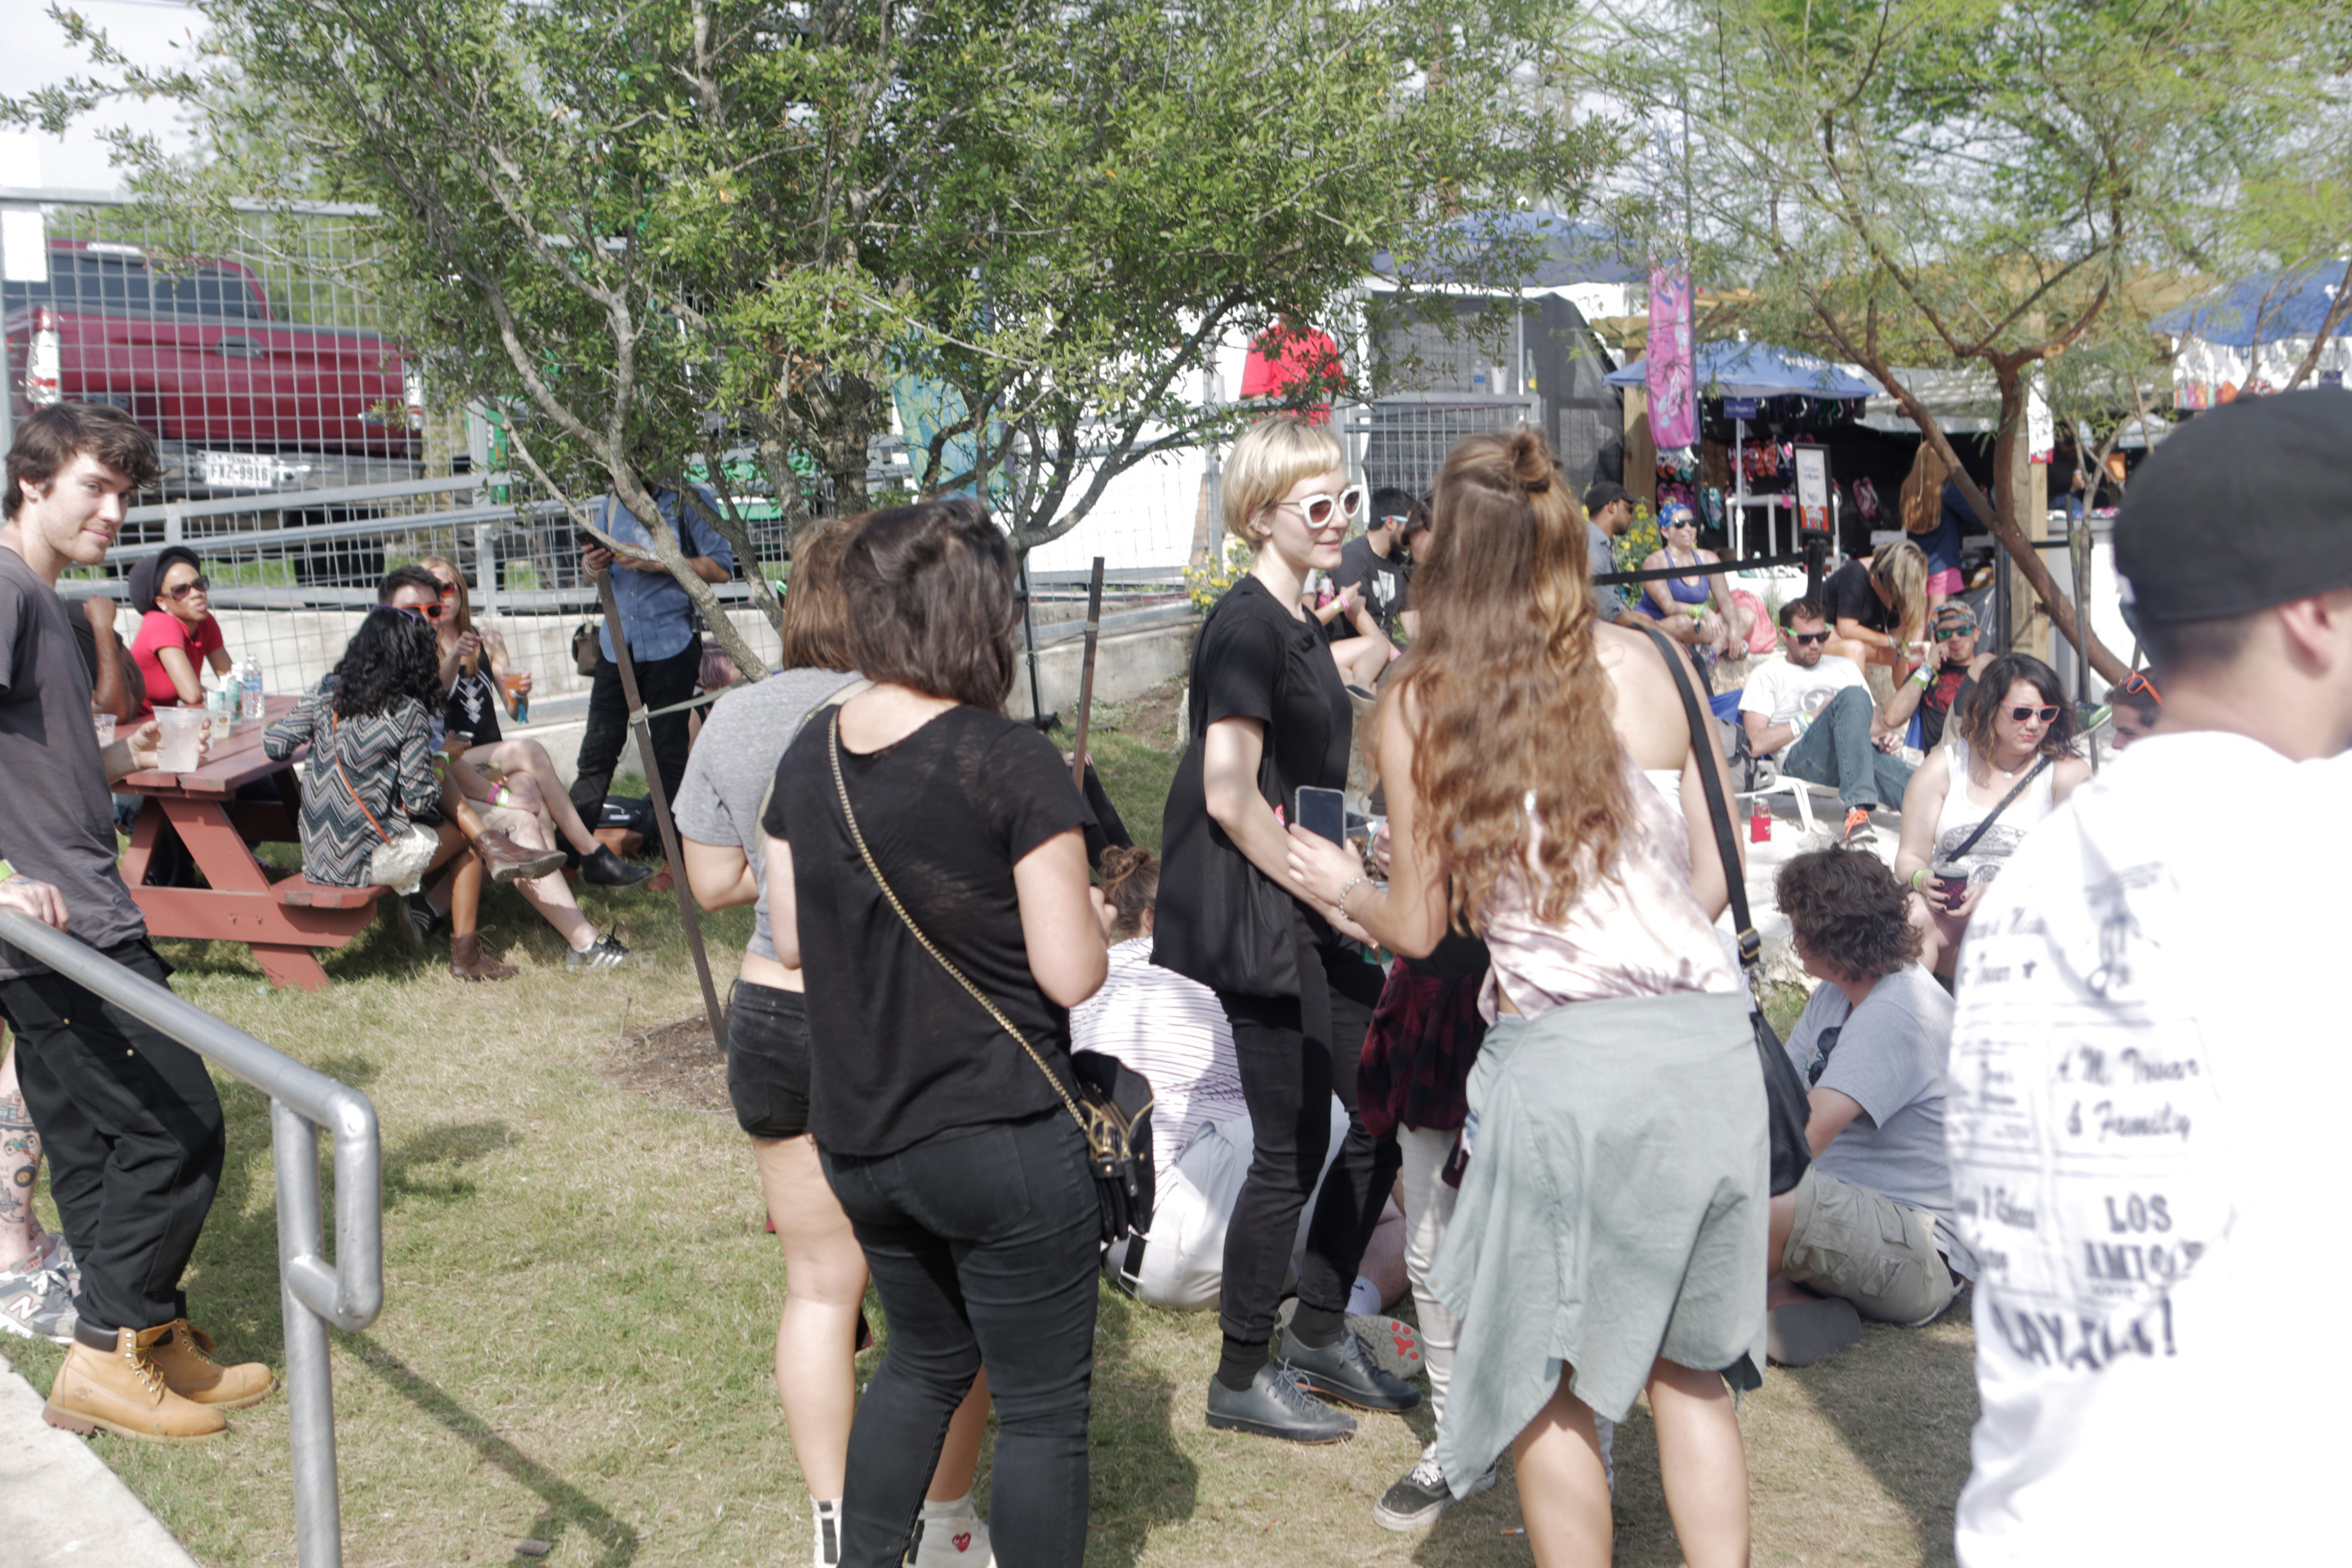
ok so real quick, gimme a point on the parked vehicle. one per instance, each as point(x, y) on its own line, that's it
point(239, 399)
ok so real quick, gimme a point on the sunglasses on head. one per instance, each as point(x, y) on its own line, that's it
point(197, 584)
point(2047, 715)
point(1318, 510)
point(1806, 639)
point(2138, 685)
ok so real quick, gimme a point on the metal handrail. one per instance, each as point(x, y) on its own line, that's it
point(348, 1291)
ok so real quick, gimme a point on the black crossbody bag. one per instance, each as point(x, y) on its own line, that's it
point(1786, 1106)
point(1112, 1107)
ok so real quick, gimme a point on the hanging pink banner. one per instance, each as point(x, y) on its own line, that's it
point(1673, 413)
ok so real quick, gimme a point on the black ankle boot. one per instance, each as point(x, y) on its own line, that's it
point(603, 869)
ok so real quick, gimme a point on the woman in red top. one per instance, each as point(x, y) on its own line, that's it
point(177, 633)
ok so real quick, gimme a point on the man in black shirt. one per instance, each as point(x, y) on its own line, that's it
point(127, 1115)
point(1378, 564)
point(1943, 683)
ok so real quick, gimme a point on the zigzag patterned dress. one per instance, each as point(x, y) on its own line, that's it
point(387, 757)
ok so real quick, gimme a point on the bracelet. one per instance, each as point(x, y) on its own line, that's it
point(1921, 678)
point(1919, 879)
point(1350, 888)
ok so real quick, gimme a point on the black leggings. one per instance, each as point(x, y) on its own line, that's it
point(1294, 1055)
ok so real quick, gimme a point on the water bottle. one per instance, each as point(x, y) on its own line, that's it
point(249, 697)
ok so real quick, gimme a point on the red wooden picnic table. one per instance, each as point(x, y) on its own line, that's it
point(283, 919)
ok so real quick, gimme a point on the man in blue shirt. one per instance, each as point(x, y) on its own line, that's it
point(657, 618)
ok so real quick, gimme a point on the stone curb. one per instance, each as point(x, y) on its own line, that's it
point(60, 1505)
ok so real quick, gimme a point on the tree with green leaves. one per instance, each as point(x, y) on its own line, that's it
point(649, 234)
point(1995, 186)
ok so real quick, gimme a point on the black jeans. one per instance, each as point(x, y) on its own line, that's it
point(982, 1242)
point(1294, 1055)
point(660, 682)
point(133, 1131)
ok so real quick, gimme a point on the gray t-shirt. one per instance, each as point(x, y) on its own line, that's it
point(1602, 552)
point(734, 761)
point(56, 817)
point(1889, 1055)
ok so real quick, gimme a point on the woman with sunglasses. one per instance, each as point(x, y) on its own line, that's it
point(1268, 716)
point(1701, 598)
point(495, 771)
point(177, 633)
point(2013, 761)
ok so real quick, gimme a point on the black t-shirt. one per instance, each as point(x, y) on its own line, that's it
point(1254, 660)
point(898, 1050)
point(56, 817)
point(472, 708)
point(1941, 700)
point(1847, 593)
point(1379, 580)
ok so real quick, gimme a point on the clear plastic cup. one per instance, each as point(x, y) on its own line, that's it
point(104, 724)
point(183, 739)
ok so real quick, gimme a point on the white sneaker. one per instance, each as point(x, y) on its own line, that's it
point(957, 1540)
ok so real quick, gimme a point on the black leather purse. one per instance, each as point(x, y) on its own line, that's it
point(1112, 1106)
point(1786, 1106)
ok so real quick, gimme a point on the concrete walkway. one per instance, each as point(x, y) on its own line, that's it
point(60, 1506)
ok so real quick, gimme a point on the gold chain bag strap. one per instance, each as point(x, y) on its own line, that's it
point(1112, 1107)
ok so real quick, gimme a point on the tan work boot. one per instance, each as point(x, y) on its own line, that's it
point(185, 1357)
point(123, 1391)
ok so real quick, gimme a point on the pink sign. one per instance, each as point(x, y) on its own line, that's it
point(1673, 413)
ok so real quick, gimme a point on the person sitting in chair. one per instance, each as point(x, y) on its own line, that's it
point(1813, 713)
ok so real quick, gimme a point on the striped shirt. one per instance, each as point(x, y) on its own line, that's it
point(1171, 1030)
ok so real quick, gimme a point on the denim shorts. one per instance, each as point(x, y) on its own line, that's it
point(768, 1060)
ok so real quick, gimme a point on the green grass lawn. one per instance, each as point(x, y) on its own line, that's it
point(581, 1303)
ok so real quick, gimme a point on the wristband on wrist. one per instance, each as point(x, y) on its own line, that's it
point(1921, 678)
point(1919, 879)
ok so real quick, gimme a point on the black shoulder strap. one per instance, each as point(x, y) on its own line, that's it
point(1751, 946)
point(1992, 816)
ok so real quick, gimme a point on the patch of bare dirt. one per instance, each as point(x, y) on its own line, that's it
point(674, 1063)
point(1152, 718)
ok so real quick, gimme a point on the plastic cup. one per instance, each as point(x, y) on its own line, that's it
point(517, 698)
point(183, 739)
point(104, 724)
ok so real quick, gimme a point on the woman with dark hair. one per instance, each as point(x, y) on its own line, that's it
point(912, 828)
point(1270, 715)
point(372, 773)
point(728, 777)
point(1970, 803)
point(1609, 1232)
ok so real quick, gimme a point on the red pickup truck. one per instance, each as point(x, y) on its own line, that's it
point(239, 399)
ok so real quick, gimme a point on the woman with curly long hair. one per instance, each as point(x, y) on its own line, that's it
point(372, 772)
point(1609, 1232)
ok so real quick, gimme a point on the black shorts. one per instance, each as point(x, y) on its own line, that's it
point(768, 1060)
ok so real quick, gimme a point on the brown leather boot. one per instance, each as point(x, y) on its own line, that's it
point(123, 1392)
point(185, 1357)
point(508, 861)
point(467, 962)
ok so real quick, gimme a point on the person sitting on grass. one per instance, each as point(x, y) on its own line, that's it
point(1813, 713)
point(372, 775)
point(177, 630)
point(1868, 1231)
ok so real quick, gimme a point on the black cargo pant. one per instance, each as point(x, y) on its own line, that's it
point(132, 1128)
point(660, 682)
point(1294, 1055)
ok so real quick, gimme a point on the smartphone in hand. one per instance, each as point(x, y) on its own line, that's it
point(1323, 812)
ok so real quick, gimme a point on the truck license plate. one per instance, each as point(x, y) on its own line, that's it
point(240, 470)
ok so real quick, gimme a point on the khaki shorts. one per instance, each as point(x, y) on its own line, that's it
point(1850, 1242)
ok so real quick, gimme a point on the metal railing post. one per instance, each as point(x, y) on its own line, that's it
point(310, 1388)
point(313, 1292)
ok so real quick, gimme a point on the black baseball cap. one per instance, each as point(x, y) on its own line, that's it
point(2240, 509)
point(1606, 493)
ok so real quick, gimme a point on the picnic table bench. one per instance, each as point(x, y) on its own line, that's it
point(284, 919)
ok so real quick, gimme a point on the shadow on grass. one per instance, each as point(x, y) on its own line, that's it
point(1140, 1479)
point(566, 1505)
point(1904, 1401)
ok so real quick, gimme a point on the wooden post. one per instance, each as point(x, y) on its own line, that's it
point(1640, 452)
point(660, 796)
point(1086, 675)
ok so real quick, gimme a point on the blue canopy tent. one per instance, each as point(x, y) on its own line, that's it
point(1735, 367)
point(2251, 336)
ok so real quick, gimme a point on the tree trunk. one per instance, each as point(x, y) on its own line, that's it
point(2336, 309)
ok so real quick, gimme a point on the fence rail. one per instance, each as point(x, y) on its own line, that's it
point(314, 1291)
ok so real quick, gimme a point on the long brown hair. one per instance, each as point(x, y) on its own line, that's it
point(462, 621)
point(817, 611)
point(1507, 680)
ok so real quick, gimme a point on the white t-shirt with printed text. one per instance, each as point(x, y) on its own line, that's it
point(2147, 1116)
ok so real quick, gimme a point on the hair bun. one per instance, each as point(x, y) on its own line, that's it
point(1121, 861)
point(1531, 464)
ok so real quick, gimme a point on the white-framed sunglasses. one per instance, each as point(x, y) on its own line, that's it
point(1317, 510)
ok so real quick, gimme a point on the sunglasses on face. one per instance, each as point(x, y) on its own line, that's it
point(2047, 715)
point(1320, 510)
point(432, 612)
point(1683, 523)
point(1808, 639)
point(1953, 634)
point(193, 586)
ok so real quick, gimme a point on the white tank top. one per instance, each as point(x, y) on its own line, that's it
point(1960, 815)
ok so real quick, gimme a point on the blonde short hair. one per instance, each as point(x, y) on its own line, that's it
point(1272, 455)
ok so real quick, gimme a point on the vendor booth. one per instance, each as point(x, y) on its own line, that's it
point(2246, 340)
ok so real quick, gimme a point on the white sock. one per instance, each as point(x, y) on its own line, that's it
point(954, 1508)
point(1363, 1298)
point(828, 1530)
